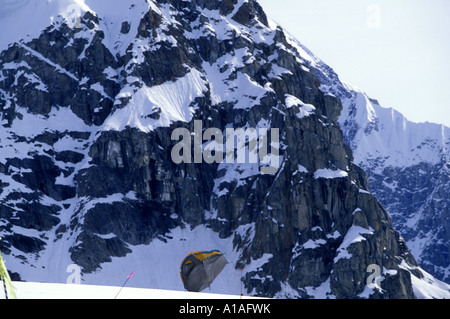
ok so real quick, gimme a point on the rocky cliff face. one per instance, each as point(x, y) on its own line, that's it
point(407, 164)
point(88, 177)
point(410, 176)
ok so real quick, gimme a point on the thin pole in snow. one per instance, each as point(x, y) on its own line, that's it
point(128, 278)
point(242, 270)
point(6, 290)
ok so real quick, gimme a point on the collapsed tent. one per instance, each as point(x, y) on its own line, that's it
point(198, 270)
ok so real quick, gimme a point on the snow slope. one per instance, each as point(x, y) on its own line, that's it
point(377, 133)
point(387, 136)
point(172, 99)
point(34, 290)
point(31, 17)
point(408, 165)
point(155, 265)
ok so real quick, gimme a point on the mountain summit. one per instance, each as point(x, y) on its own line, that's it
point(93, 95)
point(408, 165)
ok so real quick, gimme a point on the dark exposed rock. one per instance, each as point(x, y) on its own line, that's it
point(249, 11)
point(24, 243)
point(36, 216)
point(114, 189)
point(69, 157)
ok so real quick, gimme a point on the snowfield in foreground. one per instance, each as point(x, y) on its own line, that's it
point(33, 290)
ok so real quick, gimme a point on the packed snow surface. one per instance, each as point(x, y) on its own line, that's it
point(35, 290)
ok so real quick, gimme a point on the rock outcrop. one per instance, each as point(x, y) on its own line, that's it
point(407, 164)
point(86, 162)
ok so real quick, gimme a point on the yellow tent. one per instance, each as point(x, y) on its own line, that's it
point(198, 270)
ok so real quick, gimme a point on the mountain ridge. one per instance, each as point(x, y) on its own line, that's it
point(104, 193)
point(407, 164)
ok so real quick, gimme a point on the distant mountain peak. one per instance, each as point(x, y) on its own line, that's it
point(407, 164)
point(90, 105)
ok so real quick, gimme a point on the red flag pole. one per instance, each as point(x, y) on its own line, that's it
point(242, 270)
point(128, 278)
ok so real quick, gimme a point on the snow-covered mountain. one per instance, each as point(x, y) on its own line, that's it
point(90, 94)
point(408, 165)
point(409, 170)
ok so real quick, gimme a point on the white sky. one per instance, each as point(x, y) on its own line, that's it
point(397, 51)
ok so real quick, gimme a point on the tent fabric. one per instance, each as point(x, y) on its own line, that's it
point(198, 270)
